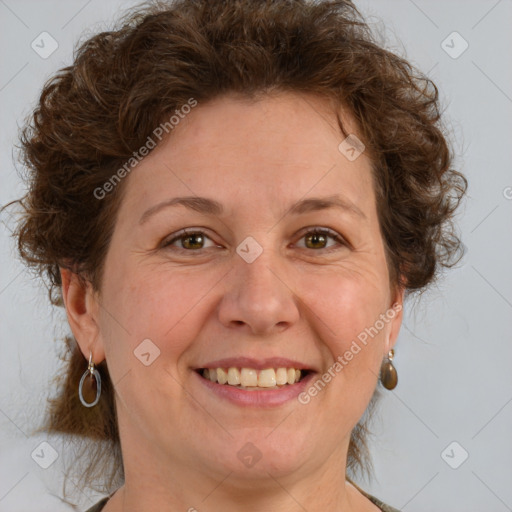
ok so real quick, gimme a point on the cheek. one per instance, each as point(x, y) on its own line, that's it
point(346, 318)
point(156, 314)
point(162, 306)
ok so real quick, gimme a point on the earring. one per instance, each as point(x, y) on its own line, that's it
point(93, 384)
point(388, 374)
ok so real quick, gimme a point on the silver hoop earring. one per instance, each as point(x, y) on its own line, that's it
point(92, 376)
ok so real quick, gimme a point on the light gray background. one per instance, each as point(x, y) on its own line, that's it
point(454, 351)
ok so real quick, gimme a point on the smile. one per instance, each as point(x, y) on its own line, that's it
point(248, 387)
point(253, 379)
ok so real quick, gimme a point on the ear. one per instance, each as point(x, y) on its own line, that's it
point(82, 308)
point(396, 321)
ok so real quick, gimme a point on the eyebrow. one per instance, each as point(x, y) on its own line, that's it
point(212, 207)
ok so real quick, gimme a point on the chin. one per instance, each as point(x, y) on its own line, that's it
point(259, 456)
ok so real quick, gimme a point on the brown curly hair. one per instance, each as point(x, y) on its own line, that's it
point(93, 115)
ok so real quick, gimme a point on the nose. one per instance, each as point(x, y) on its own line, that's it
point(259, 297)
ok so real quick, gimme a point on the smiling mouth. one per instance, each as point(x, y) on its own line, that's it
point(251, 379)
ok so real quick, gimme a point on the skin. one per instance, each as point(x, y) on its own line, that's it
point(305, 302)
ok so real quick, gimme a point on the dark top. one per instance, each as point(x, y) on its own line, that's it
point(382, 506)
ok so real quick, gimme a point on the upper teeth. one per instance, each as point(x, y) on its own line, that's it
point(249, 377)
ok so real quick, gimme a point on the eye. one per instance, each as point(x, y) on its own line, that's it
point(317, 238)
point(188, 240)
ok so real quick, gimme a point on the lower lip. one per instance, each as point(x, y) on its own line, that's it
point(263, 398)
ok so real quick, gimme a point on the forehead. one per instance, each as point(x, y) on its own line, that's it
point(271, 151)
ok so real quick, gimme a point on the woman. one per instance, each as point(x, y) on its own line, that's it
point(232, 200)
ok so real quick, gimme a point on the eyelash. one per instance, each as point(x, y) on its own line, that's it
point(312, 231)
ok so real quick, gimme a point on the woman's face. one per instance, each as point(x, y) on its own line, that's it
point(255, 287)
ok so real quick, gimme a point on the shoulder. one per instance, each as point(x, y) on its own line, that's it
point(99, 506)
point(378, 503)
point(382, 506)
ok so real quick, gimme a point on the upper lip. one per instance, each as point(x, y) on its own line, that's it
point(257, 364)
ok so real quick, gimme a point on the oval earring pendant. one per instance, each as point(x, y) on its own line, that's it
point(388, 373)
point(92, 380)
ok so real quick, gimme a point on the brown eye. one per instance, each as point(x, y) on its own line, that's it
point(194, 241)
point(318, 239)
point(188, 240)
